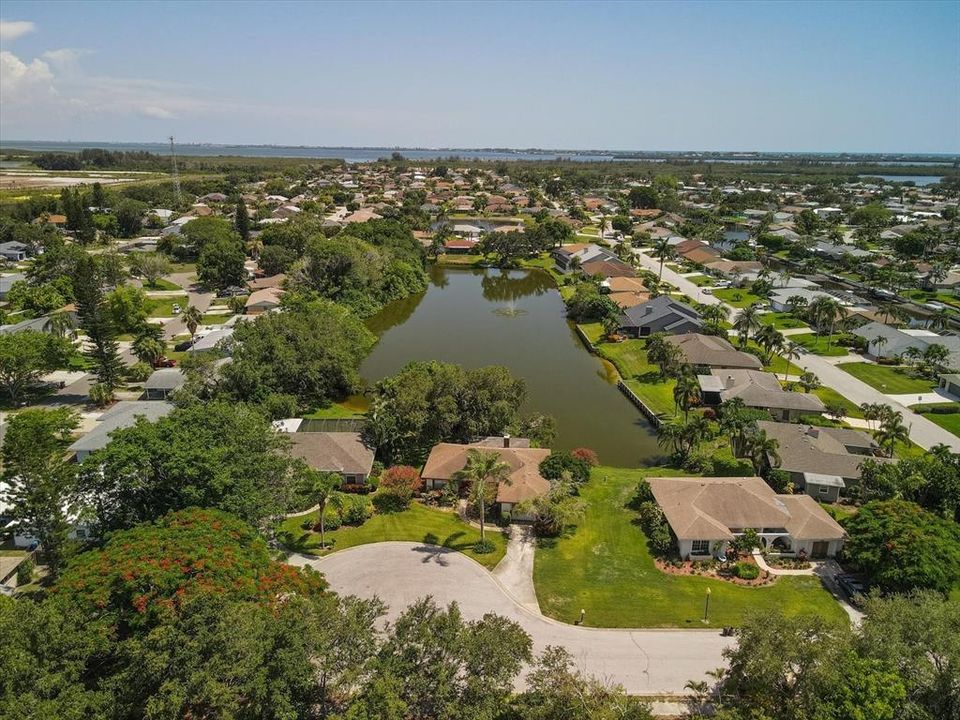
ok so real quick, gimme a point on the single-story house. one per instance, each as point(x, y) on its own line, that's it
point(950, 383)
point(661, 314)
point(713, 352)
point(625, 291)
point(822, 461)
point(608, 268)
point(7, 281)
point(14, 251)
point(583, 252)
point(526, 482)
point(780, 297)
point(741, 270)
point(757, 390)
point(163, 383)
point(261, 301)
point(340, 452)
point(707, 513)
point(122, 415)
point(210, 340)
point(897, 340)
point(270, 281)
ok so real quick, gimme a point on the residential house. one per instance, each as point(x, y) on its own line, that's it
point(525, 480)
point(7, 281)
point(14, 251)
point(625, 291)
point(661, 314)
point(757, 390)
point(780, 297)
point(262, 283)
point(344, 453)
point(950, 384)
point(896, 340)
point(122, 415)
point(739, 271)
point(262, 301)
point(707, 513)
point(822, 461)
point(712, 351)
point(567, 256)
point(608, 268)
point(212, 339)
point(163, 383)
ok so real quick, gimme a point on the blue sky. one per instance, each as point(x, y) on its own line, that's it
point(729, 76)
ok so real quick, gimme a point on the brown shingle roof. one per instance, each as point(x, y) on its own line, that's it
point(526, 482)
point(807, 448)
point(713, 351)
point(342, 452)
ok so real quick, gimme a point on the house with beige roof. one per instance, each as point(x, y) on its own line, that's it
point(757, 389)
point(822, 461)
point(705, 514)
point(712, 351)
point(340, 452)
point(525, 481)
point(262, 301)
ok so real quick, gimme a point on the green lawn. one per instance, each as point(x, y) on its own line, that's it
point(737, 297)
point(605, 568)
point(416, 524)
point(354, 406)
point(922, 296)
point(630, 359)
point(781, 321)
point(888, 378)
point(832, 397)
point(949, 421)
point(215, 318)
point(162, 284)
point(702, 280)
point(825, 345)
point(163, 306)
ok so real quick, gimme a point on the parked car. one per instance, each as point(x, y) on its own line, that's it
point(707, 291)
point(934, 305)
point(852, 588)
point(233, 291)
point(164, 362)
point(177, 309)
point(183, 346)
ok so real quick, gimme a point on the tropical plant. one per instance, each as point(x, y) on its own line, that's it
point(321, 488)
point(747, 322)
point(892, 430)
point(762, 450)
point(686, 392)
point(192, 317)
point(809, 381)
point(484, 470)
point(790, 352)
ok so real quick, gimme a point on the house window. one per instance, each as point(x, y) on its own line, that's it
point(700, 547)
point(823, 490)
point(81, 534)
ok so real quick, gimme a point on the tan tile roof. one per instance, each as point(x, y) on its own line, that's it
point(267, 296)
point(708, 508)
point(267, 282)
point(526, 482)
point(342, 452)
point(807, 448)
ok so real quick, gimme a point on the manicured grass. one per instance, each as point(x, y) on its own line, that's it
point(215, 318)
point(888, 379)
point(737, 297)
point(922, 296)
point(163, 306)
point(781, 321)
point(949, 421)
point(416, 524)
point(832, 397)
point(605, 568)
point(630, 359)
point(702, 280)
point(354, 406)
point(824, 345)
point(162, 284)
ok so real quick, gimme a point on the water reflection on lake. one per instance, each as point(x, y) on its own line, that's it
point(515, 318)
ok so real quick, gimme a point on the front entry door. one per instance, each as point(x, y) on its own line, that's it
point(820, 549)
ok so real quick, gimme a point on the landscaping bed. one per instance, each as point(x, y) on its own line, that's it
point(713, 569)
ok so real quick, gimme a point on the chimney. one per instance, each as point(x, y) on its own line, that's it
point(506, 440)
point(729, 381)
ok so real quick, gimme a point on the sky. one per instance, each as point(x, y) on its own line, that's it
point(789, 76)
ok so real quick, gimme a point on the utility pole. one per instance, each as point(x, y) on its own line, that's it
point(176, 173)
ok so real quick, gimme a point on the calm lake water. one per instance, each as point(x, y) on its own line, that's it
point(515, 318)
point(918, 180)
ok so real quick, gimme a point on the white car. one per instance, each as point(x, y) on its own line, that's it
point(177, 309)
point(708, 291)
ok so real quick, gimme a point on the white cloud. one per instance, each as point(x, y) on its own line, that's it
point(12, 29)
point(20, 80)
point(152, 111)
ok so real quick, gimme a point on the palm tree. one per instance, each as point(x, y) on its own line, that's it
point(825, 311)
point(762, 450)
point(321, 487)
point(892, 431)
point(713, 313)
point(483, 470)
point(747, 322)
point(147, 348)
point(791, 351)
point(686, 393)
point(770, 339)
point(663, 248)
point(192, 317)
point(871, 412)
point(809, 381)
point(941, 319)
point(60, 324)
point(603, 220)
point(254, 247)
point(611, 324)
point(878, 342)
point(670, 433)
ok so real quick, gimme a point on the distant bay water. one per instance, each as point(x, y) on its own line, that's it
point(371, 154)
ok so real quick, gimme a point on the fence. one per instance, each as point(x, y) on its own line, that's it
point(635, 399)
point(333, 425)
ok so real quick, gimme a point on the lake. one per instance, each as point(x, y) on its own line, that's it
point(515, 318)
point(918, 180)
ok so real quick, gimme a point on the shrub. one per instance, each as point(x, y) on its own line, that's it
point(100, 395)
point(746, 571)
point(482, 547)
point(139, 372)
point(643, 494)
point(356, 510)
point(277, 406)
point(331, 521)
point(655, 527)
point(554, 466)
point(587, 455)
point(731, 467)
point(25, 571)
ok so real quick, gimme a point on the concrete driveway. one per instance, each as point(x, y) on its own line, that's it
point(195, 296)
point(645, 662)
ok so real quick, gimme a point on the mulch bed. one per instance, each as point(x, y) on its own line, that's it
point(672, 567)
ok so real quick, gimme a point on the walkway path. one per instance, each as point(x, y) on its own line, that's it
point(643, 661)
point(515, 571)
point(762, 564)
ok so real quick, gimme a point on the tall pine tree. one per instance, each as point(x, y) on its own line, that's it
point(242, 220)
point(95, 321)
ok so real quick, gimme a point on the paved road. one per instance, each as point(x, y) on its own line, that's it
point(195, 296)
point(923, 432)
point(674, 278)
point(643, 661)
